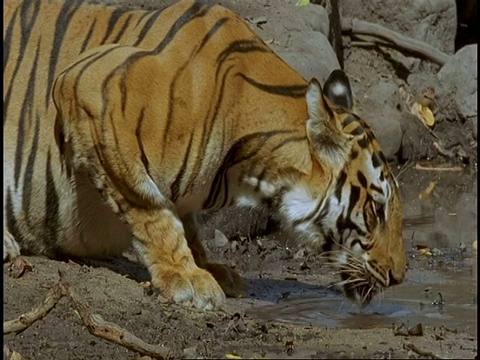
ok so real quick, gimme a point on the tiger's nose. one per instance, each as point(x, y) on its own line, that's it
point(395, 279)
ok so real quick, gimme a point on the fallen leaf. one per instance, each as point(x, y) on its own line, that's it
point(19, 267)
point(302, 3)
point(425, 252)
point(231, 356)
point(428, 190)
point(424, 114)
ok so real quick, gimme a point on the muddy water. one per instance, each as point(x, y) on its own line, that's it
point(451, 303)
point(441, 284)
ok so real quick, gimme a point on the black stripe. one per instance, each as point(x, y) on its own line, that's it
point(197, 10)
point(89, 35)
point(363, 246)
point(347, 223)
point(51, 228)
point(362, 179)
point(145, 13)
point(289, 140)
point(28, 174)
point(262, 138)
point(114, 17)
point(294, 91)
point(353, 154)
point(349, 119)
point(340, 182)
point(147, 25)
point(354, 197)
point(25, 112)
point(243, 46)
point(357, 131)
point(122, 30)
point(363, 142)
point(382, 156)
point(376, 160)
point(63, 20)
point(123, 93)
point(138, 134)
point(376, 188)
point(329, 241)
point(7, 41)
point(175, 187)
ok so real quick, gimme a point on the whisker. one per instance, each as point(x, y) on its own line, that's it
point(349, 281)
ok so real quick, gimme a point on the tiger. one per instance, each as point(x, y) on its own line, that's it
point(120, 124)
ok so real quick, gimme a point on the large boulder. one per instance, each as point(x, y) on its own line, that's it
point(458, 77)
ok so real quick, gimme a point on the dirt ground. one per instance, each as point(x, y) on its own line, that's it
point(275, 270)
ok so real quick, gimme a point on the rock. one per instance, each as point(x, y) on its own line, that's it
point(310, 54)
point(474, 127)
point(432, 21)
point(381, 112)
point(220, 239)
point(458, 78)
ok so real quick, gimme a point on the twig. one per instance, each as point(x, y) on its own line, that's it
point(420, 352)
point(114, 333)
point(413, 46)
point(93, 322)
point(39, 312)
point(433, 168)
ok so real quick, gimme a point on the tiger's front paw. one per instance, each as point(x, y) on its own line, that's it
point(195, 288)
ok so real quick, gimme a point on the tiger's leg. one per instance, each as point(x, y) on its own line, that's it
point(160, 242)
point(229, 280)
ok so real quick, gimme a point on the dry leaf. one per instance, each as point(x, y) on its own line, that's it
point(424, 114)
point(231, 356)
point(427, 115)
point(428, 190)
point(19, 267)
point(424, 250)
point(302, 3)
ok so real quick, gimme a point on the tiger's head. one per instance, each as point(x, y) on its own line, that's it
point(356, 221)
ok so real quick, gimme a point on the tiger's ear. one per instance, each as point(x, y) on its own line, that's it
point(337, 89)
point(324, 130)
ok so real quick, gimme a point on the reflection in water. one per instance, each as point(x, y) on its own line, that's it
point(411, 304)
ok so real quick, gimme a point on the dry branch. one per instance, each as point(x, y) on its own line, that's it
point(112, 332)
point(421, 352)
point(436, 168)
point(93, 322)
point(39, 312)
point(417, 47)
